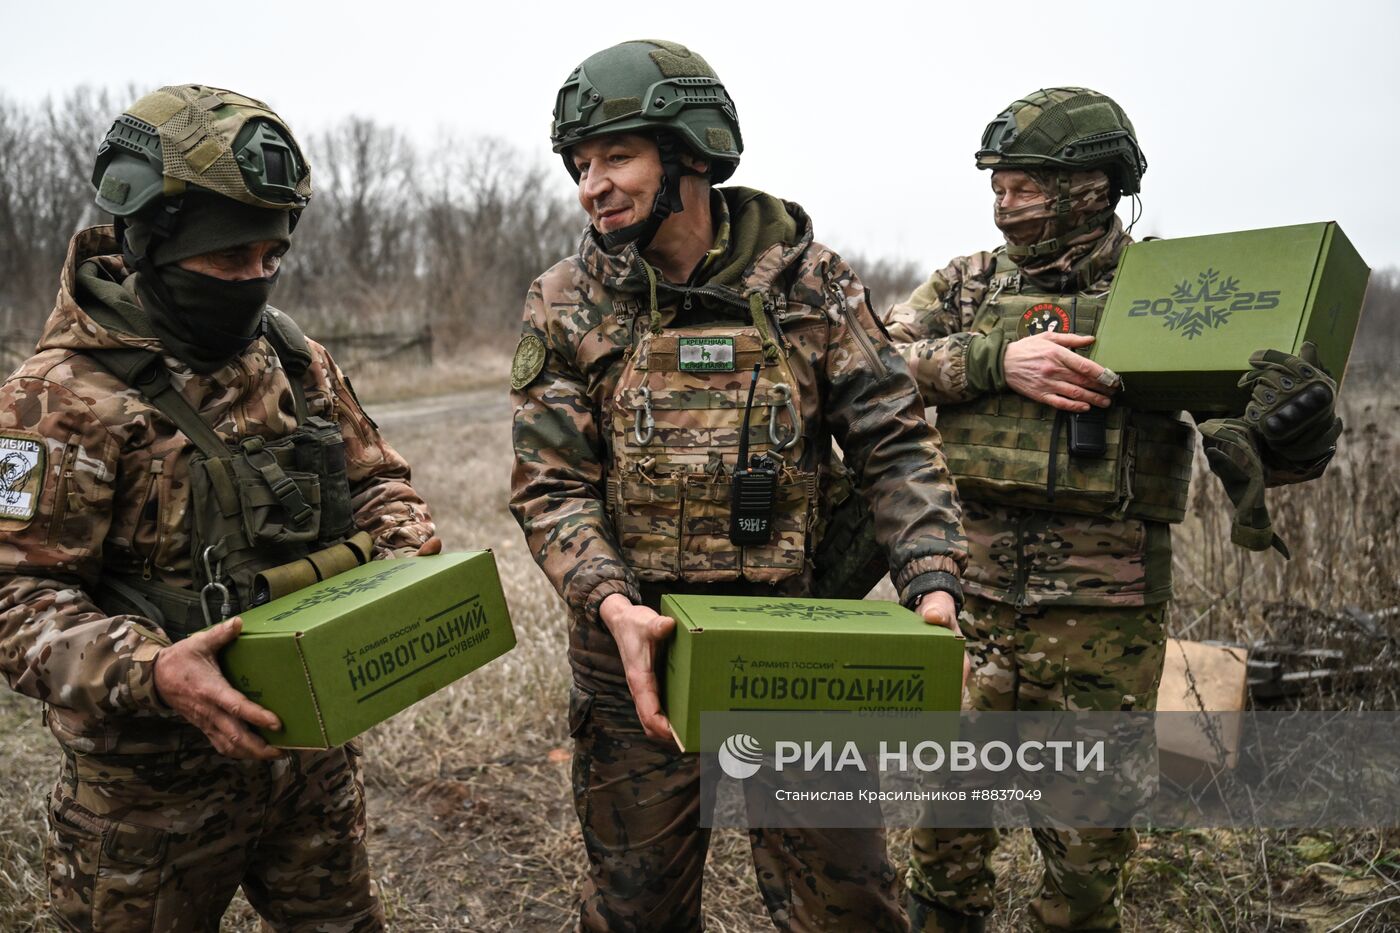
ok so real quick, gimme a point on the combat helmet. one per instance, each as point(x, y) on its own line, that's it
point(656, 88)
point(1064, 130)
point(1070, 129)
point(192, 136)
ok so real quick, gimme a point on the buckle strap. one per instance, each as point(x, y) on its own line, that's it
point(282, 485)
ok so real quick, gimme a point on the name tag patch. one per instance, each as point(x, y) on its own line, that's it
point(21, 476)
point(706, 354)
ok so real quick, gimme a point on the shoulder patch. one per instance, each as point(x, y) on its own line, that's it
point(527, 362)
point(21, 475)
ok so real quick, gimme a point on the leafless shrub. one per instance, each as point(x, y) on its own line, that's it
point(889, 280)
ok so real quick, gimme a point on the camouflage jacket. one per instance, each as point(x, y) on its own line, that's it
point(853, 387)
point(1026, 556)
point(112, 492)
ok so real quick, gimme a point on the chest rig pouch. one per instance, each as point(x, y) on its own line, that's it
point(676, 418)
point(266, 516)
point(1007, 449)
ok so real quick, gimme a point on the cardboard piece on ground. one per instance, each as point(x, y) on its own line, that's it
point(336, 658)
point(1196, 677)
point(1185, 314)
point(734, 653)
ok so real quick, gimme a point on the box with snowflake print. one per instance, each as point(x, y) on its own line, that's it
point(1185, 314)
point(338, 657)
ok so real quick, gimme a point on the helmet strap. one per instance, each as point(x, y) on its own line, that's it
point(162, 226)
point(1062, 205)
point(667, 201)
point(1057, 244)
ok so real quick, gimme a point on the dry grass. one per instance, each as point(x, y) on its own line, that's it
point(473, 826)
point(489, 365)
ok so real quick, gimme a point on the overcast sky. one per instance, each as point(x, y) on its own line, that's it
point(866, 113)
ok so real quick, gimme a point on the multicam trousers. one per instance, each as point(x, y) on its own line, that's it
point(638, 801)
point(1045, 659)
point(161, 842)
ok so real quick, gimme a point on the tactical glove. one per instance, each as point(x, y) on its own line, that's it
point(1293, 404)
point(1234, 458)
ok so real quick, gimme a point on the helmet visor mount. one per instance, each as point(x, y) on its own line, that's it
point(270, 164)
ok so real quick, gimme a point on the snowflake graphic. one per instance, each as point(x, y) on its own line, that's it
point(339, 591)
point(1195, 307)
point(794, 610)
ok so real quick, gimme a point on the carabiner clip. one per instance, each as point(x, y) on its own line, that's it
point(782, 397)
point(210, 574)
point(643, 418)
point(225, 606)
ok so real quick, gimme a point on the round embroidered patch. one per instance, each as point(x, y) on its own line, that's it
point(527, 362)
point(1043, 317)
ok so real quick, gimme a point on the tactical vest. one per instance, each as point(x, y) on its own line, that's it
point(266, 516)
point(1007, 449)
point(675, 417)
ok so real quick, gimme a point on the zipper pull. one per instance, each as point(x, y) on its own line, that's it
point(686, 304)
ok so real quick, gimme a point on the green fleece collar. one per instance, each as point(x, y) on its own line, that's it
point(719, 210)
point(766, 235)
point(110, 303)
point(758, 222)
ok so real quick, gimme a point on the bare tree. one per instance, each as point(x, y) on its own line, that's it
point(45, 193)
point(889, 280)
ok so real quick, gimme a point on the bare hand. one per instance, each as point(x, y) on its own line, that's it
point(1044, 368)
point(189, 681)
point(938, 608)
point(639, 632)
point(430, 547)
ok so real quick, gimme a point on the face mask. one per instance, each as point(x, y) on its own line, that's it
point(209, 320)
point(1027, 224)
point(1090, 208)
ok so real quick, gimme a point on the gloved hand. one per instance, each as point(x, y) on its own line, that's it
point(1293, 403)
point(1233, 457)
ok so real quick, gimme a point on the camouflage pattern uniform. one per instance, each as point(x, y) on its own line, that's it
point(1064, 611)
point(149, 827)
point(638, 799)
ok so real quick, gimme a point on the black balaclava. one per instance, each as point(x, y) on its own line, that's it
point(203, 320)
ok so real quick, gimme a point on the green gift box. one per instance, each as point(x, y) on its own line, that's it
point(338, 657)
point(760, 654)
point(1184, 315)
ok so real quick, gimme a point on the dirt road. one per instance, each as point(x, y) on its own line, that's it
point(474, 405)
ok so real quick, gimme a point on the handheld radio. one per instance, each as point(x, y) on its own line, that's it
point(1088, 430)
point(755, 488)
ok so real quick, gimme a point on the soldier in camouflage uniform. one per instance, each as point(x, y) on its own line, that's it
point(167, 800)
point(1069, 572)
point(629, 391)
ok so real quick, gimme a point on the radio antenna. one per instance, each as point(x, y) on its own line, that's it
point(748, 411)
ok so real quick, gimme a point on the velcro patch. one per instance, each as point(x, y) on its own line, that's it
point(21, 475)
point(527, 362)
point(719, 139)
point(205, 154)
point(114, 190)
point(1046, 316)
point(706, 354)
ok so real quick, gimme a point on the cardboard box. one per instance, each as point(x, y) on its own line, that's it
point(1184, 315)
point(335, 658)
point(734, 653)
point(1200, 678)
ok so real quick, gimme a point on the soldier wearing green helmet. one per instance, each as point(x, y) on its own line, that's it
point(1067, 589)
point(173, 438)
point(628, 386)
